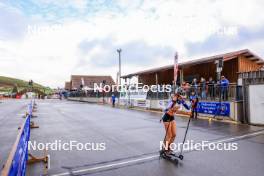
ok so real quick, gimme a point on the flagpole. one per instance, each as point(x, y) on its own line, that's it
point(175, 70)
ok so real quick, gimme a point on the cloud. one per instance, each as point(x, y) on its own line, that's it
point(12, 23)
point(103, 53)
point(222, 43)
point(50, 40)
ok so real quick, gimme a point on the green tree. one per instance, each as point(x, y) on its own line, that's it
point(15, 90)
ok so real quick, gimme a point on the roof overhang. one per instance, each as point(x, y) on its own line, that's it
point(226, 57)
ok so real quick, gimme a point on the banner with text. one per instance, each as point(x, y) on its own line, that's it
point(214, 108)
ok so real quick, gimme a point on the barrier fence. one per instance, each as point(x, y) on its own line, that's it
point(19, 156)
point(212, 92)
point(17, 159)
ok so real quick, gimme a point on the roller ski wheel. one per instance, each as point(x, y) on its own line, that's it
point(181, 157)
point(170, 157)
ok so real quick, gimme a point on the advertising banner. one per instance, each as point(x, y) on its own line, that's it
point(19, 162)
point(214, 108)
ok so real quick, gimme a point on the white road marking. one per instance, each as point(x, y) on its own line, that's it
point(230, 139)
point(109, 165)
point(240, 137)
point(153, 156)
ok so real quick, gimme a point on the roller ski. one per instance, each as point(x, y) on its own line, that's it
point(168, 120)
point(172, 157)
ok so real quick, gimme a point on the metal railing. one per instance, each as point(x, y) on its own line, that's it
point(210, 92)
point(91, 93)
point(233, 92)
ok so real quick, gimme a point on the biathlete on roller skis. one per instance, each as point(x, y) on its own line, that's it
point(170, 125)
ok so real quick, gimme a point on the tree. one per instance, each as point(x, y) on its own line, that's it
point(15, 90)
point(30, 82)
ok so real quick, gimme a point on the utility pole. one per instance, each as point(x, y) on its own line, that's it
point(219, 67)
point(119, 59)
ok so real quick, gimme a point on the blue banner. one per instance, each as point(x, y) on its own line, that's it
point(19, 162)
point(214, 108)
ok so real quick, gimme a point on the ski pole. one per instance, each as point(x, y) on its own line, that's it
point(185, 134)
point(187, 128)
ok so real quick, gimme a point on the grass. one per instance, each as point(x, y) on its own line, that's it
point(7, 84)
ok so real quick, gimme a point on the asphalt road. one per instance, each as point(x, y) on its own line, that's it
point(11, 112)
point(132, 140)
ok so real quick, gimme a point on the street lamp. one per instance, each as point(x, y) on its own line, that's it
point(219, 67)
point(119, 59)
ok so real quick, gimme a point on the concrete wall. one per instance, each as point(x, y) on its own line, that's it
point(236, 108)
point(90, 99)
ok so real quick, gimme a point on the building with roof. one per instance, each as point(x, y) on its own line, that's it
point(67, 85)
point(87, 81)
point(234, 63)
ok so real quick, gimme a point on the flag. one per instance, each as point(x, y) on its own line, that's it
point(175, 67)
point(82, 83)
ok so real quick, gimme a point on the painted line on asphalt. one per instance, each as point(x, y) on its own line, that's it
point(240, 137)
point(231, 139)
point(154, 156)
point(108, 165)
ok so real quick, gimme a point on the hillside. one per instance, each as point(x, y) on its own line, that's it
point(7, 84)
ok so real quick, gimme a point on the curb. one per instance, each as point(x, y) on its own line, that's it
point(199, 117)
point(160, 112)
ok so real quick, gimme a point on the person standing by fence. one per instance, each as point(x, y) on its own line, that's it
point(203, 88)
point(194, 103)
point(113, 100)
point(224, 84)
point(195, 86)
point(211, 88)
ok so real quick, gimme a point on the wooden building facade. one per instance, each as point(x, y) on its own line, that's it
point(234, 63)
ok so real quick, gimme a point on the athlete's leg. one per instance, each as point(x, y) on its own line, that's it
point(196, 113)
point(172, 131)
point(167, 126)
point(192, 113)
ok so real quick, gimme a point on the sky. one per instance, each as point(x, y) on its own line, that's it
point(47, 40)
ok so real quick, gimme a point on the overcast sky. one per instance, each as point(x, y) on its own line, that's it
point(48, 40)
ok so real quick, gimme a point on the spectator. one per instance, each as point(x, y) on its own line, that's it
point(203, 88)
point(195, 86)
point(194, 103)
point(184, 87)
point(187, 89)
point(224, 83)
point(211, 88)
point(60, 95)
point(113, 100)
